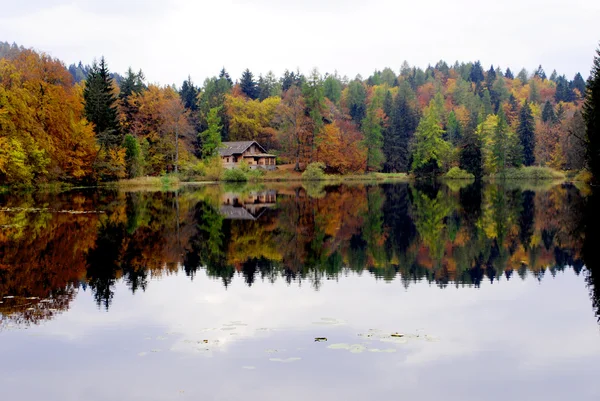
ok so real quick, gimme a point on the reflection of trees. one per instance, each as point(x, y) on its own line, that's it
point(430, 233)
point(591, 254)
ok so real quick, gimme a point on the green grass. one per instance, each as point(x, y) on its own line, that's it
point(529, 173)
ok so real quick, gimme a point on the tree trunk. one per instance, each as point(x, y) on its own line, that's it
point(176, 148)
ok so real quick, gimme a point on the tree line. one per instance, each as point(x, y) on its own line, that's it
point(86, 124)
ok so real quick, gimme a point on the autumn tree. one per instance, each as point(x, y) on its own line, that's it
point(43, 133)
point(526, 132)
point(294, 126)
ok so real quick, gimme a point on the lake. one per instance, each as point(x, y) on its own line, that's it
point(292, 292)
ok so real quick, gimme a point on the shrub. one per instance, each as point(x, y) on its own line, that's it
point(457, 173)
point(191, 171)
point(314, 172)
point(235, 175)
point(583, 176)
point(255, 175)
point(213, 169)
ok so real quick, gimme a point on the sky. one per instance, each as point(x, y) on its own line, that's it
point(172, 40)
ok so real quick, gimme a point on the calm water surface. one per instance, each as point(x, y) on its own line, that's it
point(295, 293)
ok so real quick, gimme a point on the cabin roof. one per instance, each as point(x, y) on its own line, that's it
point(237, 148)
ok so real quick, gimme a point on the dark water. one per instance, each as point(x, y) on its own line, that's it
point(297, 293)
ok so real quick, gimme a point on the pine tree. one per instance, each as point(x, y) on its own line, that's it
point(591, 115)
point(471, 158)
point(548, 115)
point(563, 91)
point(540, 73)
point(402, 122)
point(476, 75)
point(225, 75)
point(526, 132)
point(356, 101)
point(189, 94)
point(508, 74)
point(133, 82)
point(101, 105)
point(453, 129)
point(248, 85)
point(553, 76)
point(579, 84)
point(490, 78)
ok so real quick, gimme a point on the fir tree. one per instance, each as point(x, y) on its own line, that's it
point(476, 75)
point(591, 115)
point(508, 74)
point(101, 105)
point(356, 101)
point(248, 85)
point(133, 82)
point(453, 129)
point(540, 73)
point(548, 115)
point(189, 94)
point(553, 76)
point(402, 122)
point(526, 132)
point(579, 84)
point(225, 75)
point(490, 78)
point(471, 158)
point(563, 91)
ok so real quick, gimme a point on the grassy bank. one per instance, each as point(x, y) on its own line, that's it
point(532, 173)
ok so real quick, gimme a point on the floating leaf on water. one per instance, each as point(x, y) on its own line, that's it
point(320, 339)
point(396, 335)
point(357, 348)
point(30, 309)
point(395, 340)
point(286, 360)
point(142, 354)
point(9, 297)
point(249, 367)
point(32, 298)
point(155, 350)
point(389, 350)
point(339, 346)
point(205, 341)
point(271, 351)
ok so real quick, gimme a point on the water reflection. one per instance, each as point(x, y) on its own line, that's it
point(53, 245)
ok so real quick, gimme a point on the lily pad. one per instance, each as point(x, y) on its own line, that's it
point(320, 339)
point(339, 346)
point(286, 360)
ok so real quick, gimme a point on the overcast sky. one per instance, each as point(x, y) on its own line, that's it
point(168, 42)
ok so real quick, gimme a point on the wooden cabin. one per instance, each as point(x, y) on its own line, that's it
point(232, 154)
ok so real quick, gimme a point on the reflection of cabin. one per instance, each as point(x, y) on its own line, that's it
point(247, 207)
point(232, 154)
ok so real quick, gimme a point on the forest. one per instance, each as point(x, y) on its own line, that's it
point(85, 124)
